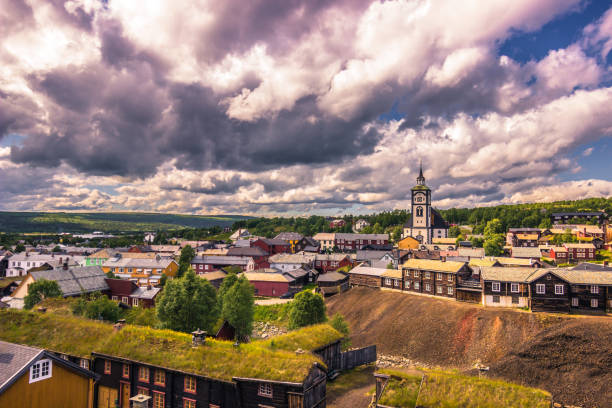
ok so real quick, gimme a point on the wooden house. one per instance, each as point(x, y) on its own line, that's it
point(33, 377)
point(558, 254)
point(272, 283)
point(215, 278)
point(548, 291)
point(580, 252)
point(129, 293)
point(365, 276)
point(505, 287)
point(408, 243)
point(589, 290)
point(331, 262)
point(295, 240)
point(392, 279)
point(272, 246)
point(332, 282)
point(432, 277)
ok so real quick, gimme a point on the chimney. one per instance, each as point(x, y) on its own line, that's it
point(119, 325)
point(66, 266)
point(198, 338)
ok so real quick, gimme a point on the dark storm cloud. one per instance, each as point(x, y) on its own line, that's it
point(241, 24)
point(217, 186)
point(15, 15)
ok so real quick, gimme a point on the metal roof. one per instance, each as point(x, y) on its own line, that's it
point(77, 280)
point(13, 359)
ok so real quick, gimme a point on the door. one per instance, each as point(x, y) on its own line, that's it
point(107, 397)
point(125, 395)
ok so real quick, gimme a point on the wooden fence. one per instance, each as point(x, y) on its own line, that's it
point(354, 358)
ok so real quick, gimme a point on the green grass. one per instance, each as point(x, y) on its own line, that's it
point(217, 359)
point(277, 315)
point(4, 282)
point(401, 390)
point(350, 379)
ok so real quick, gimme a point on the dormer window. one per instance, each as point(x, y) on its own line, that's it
point(40, 370)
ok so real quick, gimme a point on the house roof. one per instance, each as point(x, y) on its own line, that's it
point(13, 359)
point(211, 276)
point(589, 266)
point(73, 281)
point(289, 236)
point(392, 273)
point(445, 241)
point(330, 257)
point(370, 255)
point(502, 274)
point(146, 292)
point(268, 277)
point(331, 277)
point(325, 236)
point(297, 273)
point(526, 252)
point(366, 270)
point(579, 246)
point(434, 265)
point(291, 258)
point(582, 277)
point(172, 350)
point(351, 237)
point(273, 241)
point(483, 262)
point(158, 262)
point(471, 252)
point(246, 251)
point(529, 237)
point(513, 261)
point(220, 260)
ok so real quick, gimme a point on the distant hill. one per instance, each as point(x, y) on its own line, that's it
point(54, 222)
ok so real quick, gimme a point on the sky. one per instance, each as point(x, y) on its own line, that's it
point(286, 107)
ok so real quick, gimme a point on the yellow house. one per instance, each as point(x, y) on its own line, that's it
point(32, 377)
point(408, 243)
point(143, 271)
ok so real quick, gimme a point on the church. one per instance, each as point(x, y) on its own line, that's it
point(425, 223)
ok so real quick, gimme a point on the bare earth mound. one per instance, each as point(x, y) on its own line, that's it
point(569, 356)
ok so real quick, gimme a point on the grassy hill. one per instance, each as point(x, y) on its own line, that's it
point(53, 222)
point(569, 356)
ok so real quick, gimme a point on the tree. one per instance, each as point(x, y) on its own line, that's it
point(454, 231)
point(390, 265)
point(493, 246)
point(57, 249)
point(229, 281)
point(396, 235)
point(102, 308)
point(338, 323)
point(239, 306)
point(307, 308)
point(187, 255)
point(494, 240)
point(545, 223)
point(19, 247)
point(40, 290)
point(493, 227)
point(111, 275)
point(188, 303)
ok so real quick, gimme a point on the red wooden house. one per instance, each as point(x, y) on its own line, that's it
point(272, 246)
point(331, 262)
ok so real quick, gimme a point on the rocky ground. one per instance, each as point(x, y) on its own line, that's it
point(263, 330)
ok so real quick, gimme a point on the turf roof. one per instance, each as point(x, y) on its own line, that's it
point(217, 359)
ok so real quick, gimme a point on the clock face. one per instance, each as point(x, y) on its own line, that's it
point(419, 198)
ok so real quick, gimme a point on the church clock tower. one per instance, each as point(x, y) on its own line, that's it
point(421, 210)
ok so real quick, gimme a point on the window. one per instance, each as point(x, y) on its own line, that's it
point(514, 287)
point(439, 289)
point(160, 377)
point(396, 282)
point(594, 303)
point(427, 275)
point(495, 286)
point(495, 298)
point(265, 390)
point(438, 276)
point(189, 403)
point(107, 367)
point(143, 374)
point(540, 288)
point(84, 364)
point(388, 281)
point(407, 284)
point(417, 285)
point(450, 278)
point(143, 391)
point(126, 371)
point(419, 211)
point(427, 287)
point(416, 274)
point(115, 298)
point(515, 300)
point(159, 400)
point(450, 290)
point(190, 384)
point(575, 302)
point(40, 370)
point(594, 289)
point(135, 302)
point(124, 299)
point(558, 289)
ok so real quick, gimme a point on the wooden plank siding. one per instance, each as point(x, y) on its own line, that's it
point(64, 388)
point(549, 301)
point(505, 297)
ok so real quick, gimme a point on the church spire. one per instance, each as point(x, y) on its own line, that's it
point(421, 179)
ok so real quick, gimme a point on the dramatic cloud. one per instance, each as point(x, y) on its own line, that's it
point(289, 106)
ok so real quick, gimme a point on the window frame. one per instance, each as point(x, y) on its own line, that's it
point(540, 289)
point(388, 281)
point(135, 302)
point(416, 285)
point(496, 286)
point(561, 287)
point(84, 363)
point(155, 377)
point(439, 290)
point(450, 291)
point(37, 370)
point(265, 390)
point(594, 303)
point(575, 302)
point(141, 371)
point(427, 287)
point(156, 396)
point(189, 403)
point(594, 289)
point(107, 367)
point(125, 299)
point(514, 285)
point(125, 371)
point(496, 299)
point(189, 390)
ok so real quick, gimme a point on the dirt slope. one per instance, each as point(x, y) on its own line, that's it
point(568, 356)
